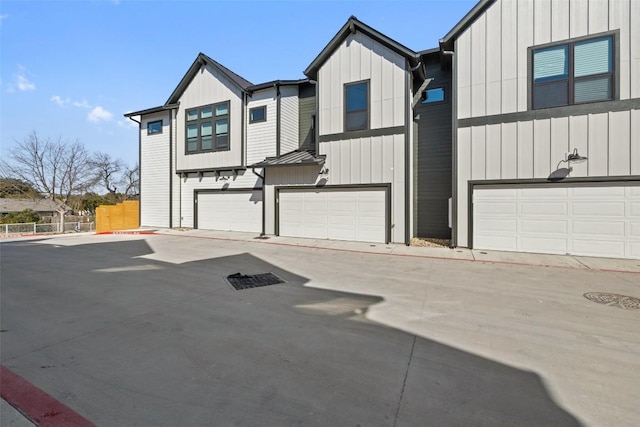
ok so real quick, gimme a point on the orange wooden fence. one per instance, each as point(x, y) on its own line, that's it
point(123, 216)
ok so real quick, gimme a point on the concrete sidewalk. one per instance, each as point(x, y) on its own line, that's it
point(11, 417)
point(461, 254)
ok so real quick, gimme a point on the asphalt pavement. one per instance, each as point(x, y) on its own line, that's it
point(147, 330)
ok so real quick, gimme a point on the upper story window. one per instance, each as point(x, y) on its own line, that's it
point(207, 128)
point(356, 106)
point(258, 114)
point(431, 96)
point(154, 127)
point(573, 73)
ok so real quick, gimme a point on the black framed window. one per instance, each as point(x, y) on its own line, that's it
point(575, 72)
point(207, 128)
point(258, 114)
point(356, 106)
point(154, 127)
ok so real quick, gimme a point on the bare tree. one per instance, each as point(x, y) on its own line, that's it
point(131, 181)
point(55, 168)
point(108, 171)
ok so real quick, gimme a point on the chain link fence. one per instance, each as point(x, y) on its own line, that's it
point(49, 228)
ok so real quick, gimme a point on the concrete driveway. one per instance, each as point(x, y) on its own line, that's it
point(145, 330)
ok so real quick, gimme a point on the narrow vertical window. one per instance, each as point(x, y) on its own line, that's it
point(356, 106)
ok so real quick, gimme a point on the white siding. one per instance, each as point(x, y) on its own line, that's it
point(155, 173)
point(288, 119)
point(493, 77)
point(261, 136)
point(492, 54)
point(361, 58)
point(210, 86)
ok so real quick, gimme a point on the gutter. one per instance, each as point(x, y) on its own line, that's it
point(407, 152)
point(276, 85)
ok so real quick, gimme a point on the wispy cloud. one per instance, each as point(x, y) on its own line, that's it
point(99, 114)
point(22, 83)
point(59, 101)
point(81, 104)
point(3, 17)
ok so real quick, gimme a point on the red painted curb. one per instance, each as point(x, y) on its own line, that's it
point(125, 232)
point(13, 236)
point(39, 407)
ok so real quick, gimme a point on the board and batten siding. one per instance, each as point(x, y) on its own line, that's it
point(360, 58)
point(261, 136)
point(155, 173)
point(492, 79)
point(210, 86)
point(492, 54)
point(288, 119)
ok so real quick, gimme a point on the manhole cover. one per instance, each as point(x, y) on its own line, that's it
point(248, 281)
point(616, 300)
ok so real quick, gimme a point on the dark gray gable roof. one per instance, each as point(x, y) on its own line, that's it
point(351, 26)
point(293, 158)
point(152, 110)
point(465, 22)
point(203, 59)
point(273, 83)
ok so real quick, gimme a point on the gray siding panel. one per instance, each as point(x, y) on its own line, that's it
point(432, 174)
point(306, 109)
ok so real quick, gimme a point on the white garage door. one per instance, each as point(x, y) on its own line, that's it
point(339, 214)
point(230, 210)
point(578, 219)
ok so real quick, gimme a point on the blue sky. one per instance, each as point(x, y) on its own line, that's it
point(71, 69)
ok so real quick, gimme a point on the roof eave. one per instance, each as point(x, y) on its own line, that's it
point(201, 60)
point(153, 110)
point(466, 21)
point(273, 83)
point(351, 26)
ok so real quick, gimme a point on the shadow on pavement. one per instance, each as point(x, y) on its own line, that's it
point(129, 341)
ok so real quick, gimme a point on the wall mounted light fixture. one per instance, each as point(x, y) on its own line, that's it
point(575, 157)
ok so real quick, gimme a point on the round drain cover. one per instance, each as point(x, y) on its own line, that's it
point(617, 300)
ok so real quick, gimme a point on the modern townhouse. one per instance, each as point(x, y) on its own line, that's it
point(547, 126)
point(518, 132)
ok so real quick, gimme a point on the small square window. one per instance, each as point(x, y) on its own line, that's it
point(192, 114)
point(206, 112)
point(430, 96)
point(154, 127)
point(222, 109)
point(258, 114)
